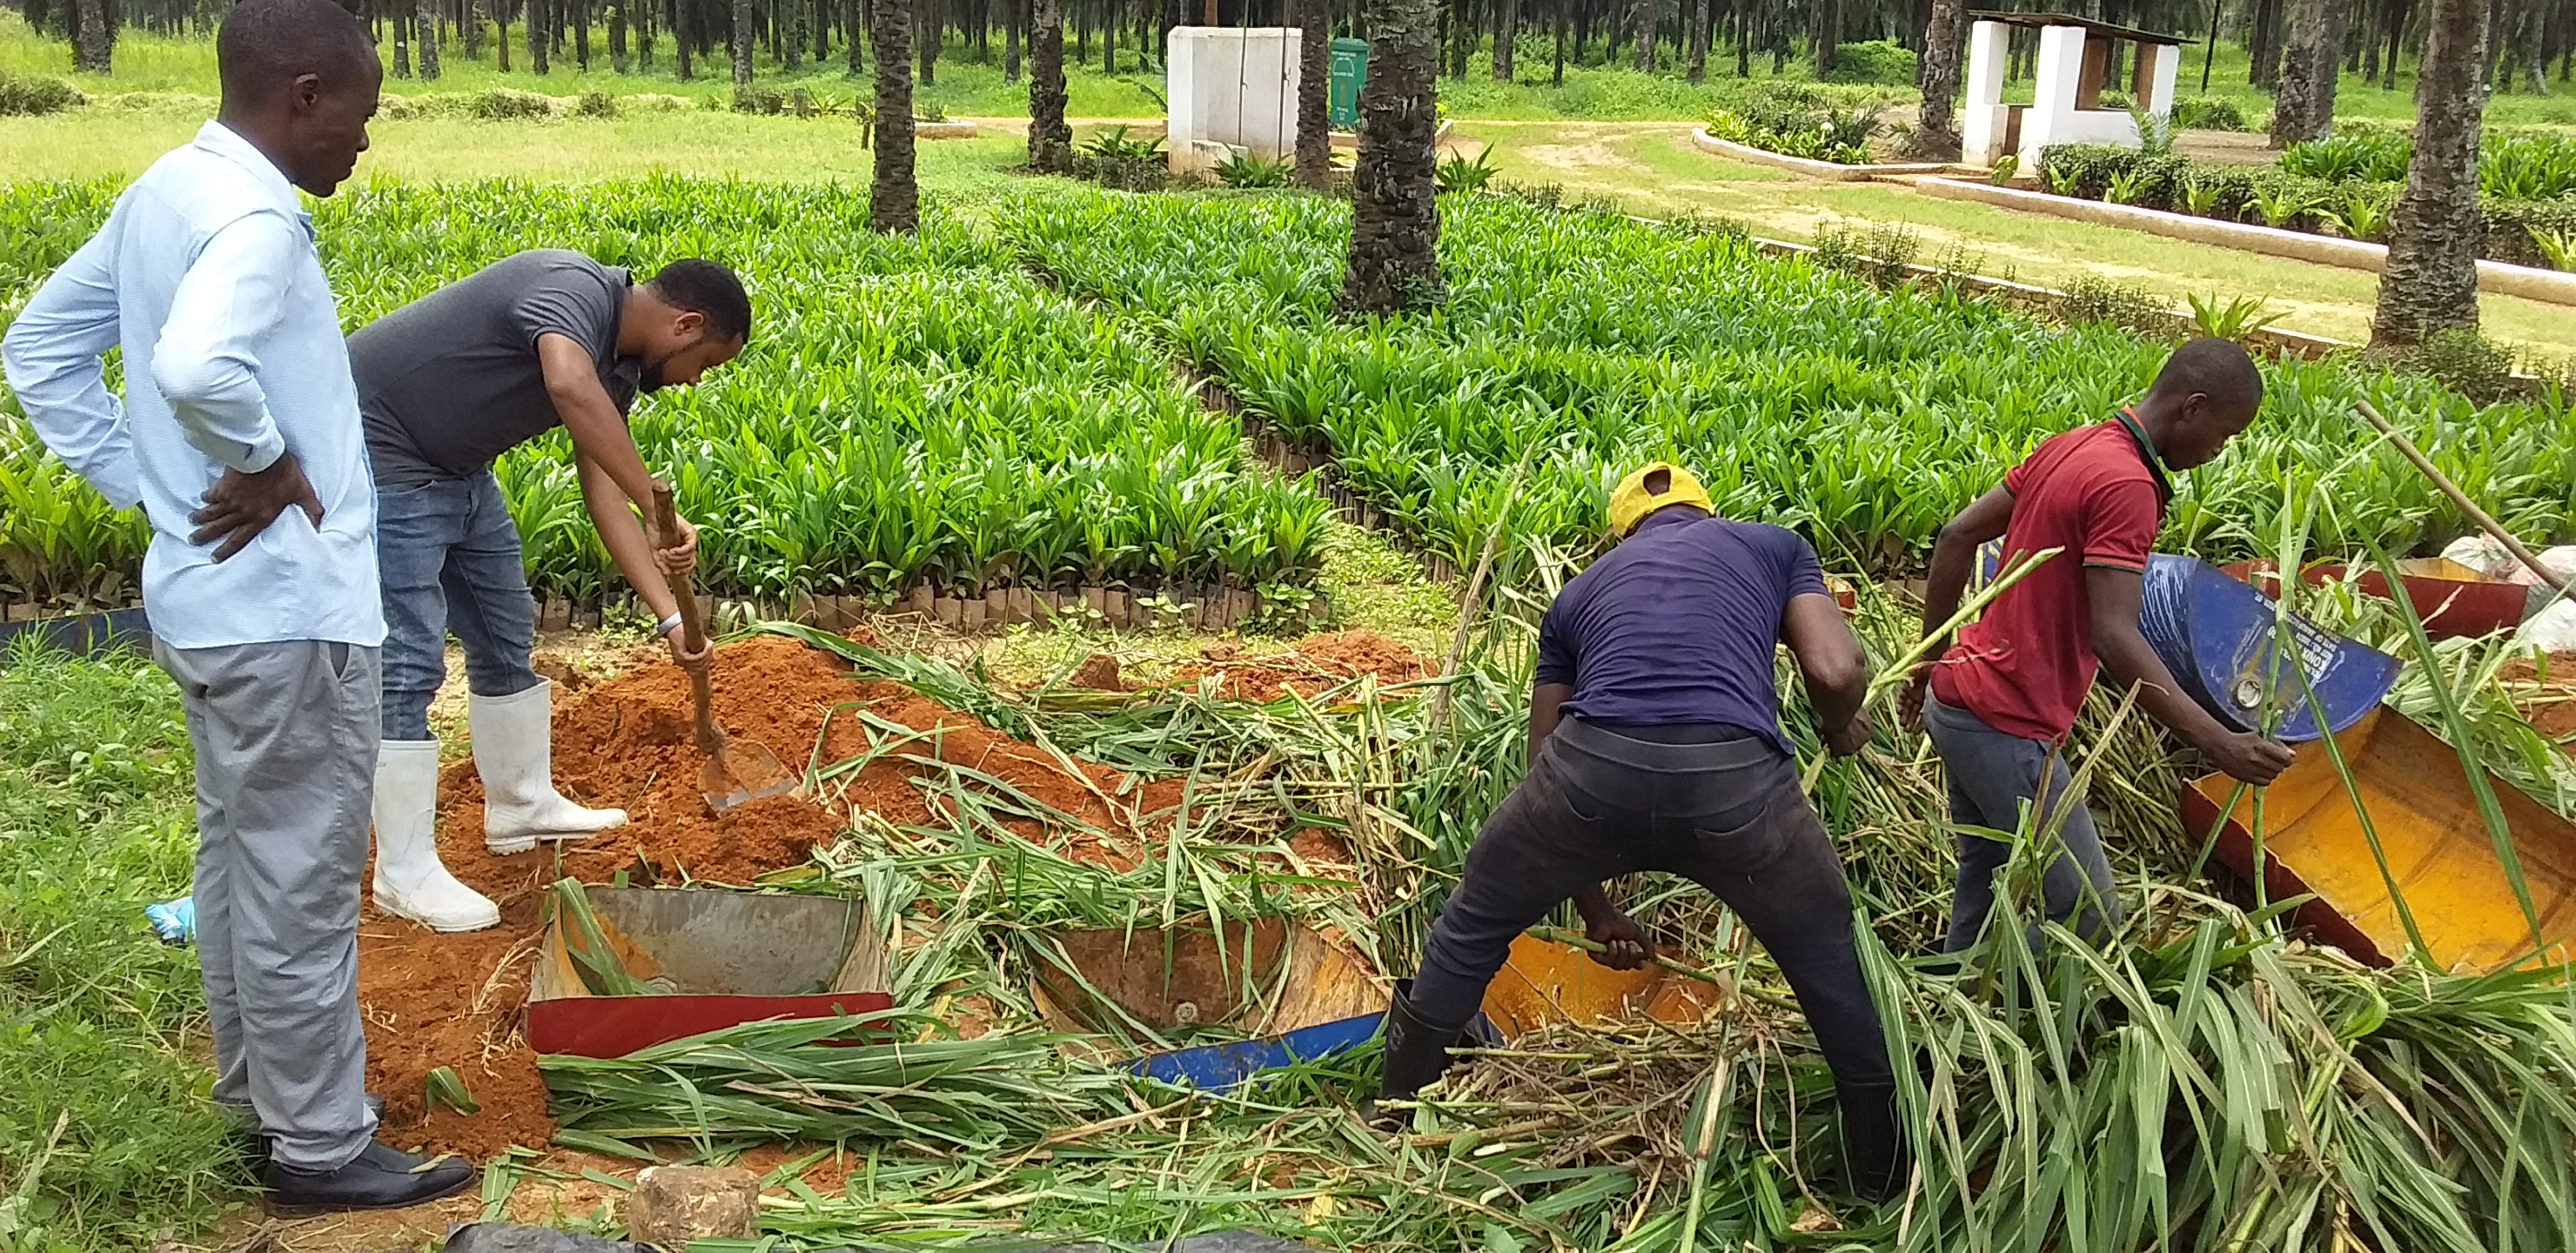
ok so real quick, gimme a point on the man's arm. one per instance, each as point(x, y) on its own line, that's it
point(600, 437)
point(1835, 671)
point(206, 365)
point(55, 360)
point(1954, 556)
point(623, 535)
point(2114, 597)
point(1547, 707)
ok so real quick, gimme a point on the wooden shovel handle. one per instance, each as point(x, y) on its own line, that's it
point(693, 622)
point(666, 527)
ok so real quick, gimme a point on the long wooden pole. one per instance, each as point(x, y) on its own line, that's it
point(2406, 448)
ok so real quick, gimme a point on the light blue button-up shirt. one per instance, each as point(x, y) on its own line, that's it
point(207, 276)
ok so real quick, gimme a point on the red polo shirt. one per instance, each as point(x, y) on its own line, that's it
point(2098, 494)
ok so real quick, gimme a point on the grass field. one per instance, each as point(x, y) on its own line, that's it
point(1655, 171)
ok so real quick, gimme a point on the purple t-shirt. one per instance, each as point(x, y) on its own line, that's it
point(1678, 625)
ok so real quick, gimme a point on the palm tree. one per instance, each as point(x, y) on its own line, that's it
point(746, 23)
point(894, 202)
point(1314, 85)
point(2431, 280)
point(1395, 222)
point(1050, 140)
point(1936, 130)
point(2303, 107)
point(425, 40)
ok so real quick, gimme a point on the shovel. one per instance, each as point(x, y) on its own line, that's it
point(735, 774)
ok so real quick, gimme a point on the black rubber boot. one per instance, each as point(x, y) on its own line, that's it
point(379, 1178)
point(1417, 1051)
point(1873, 1153)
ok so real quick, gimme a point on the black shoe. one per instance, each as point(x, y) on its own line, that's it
point(379, 1178)
point(1873, 1152)
point(1417, 1052)
point(253, 1143)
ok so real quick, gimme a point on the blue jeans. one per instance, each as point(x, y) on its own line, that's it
point(449, 557)
point(1992, 775)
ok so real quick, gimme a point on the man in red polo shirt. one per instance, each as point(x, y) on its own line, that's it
point(2004, 696)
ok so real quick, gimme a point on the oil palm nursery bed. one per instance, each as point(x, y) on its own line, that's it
point(995, 403)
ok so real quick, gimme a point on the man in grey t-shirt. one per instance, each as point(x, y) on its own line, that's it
point(446, 384)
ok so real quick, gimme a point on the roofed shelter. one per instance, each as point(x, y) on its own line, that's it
point(2066, 103)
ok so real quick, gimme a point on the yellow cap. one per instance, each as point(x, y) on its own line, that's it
point(1630, 502)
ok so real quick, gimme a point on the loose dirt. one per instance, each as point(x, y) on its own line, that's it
point(2550, 703)
point(455, 1000)
point(1320, 663)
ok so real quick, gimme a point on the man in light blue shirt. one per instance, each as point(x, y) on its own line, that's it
point(239, 436)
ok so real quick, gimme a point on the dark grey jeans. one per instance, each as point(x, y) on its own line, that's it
point(1728, 816)
point(1991, 777)
point(285, 740)
point(449, 557)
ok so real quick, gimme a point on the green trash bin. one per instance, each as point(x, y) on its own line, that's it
point(1350, 69)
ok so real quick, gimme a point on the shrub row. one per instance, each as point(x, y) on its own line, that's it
point(2352, 207)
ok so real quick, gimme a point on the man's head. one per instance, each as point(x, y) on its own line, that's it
point(300, 80)
point(685, 321)
point(2206, 393)
point(1658, 486)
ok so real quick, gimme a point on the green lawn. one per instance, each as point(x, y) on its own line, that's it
point(1654, 171)
point(99, 1021)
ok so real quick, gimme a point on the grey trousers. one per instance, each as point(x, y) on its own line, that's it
point(285, 736)
point(1991, 776)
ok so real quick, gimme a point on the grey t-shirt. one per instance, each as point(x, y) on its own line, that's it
point(451, 380)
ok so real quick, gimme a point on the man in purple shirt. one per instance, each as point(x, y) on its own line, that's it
point(1655, 744)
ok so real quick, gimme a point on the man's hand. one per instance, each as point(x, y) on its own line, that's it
point(694, 663)
point(240, 506)
point(2249, 757)
point(1853, 737)
point(1623, 943)
point(681, 558)
point(1909, 699)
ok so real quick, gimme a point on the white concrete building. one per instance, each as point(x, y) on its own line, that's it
point(1231, 87)
point(2066, 98)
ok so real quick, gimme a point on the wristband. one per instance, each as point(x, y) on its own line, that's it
point(666, 626)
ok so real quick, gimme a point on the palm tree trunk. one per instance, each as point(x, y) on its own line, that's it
point(1012, 21)
point(1507, 29)
point(854, 24)
point(1314, 88)
point(617, 39)
point(2303, 105)
point(1936, 132)
point(1697, 47)
point(540, 24)
point(894, 200)
point(93, 30)
point(1645, 22)
point(1829, 35)
point(929, 27)
point(1394, 260)
point(2431, 280)
point(1050, 139)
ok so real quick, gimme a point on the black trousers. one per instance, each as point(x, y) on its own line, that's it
point(1727, 815)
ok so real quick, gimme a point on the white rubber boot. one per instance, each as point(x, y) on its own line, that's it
point(514, 752)
point(410, 880)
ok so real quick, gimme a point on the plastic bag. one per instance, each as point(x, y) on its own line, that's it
point(2552, 630)
point(174, 921)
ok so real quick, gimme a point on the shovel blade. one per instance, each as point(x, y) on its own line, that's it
point(740, 772)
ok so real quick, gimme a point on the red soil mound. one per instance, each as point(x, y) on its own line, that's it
point(2550, 705)
point(454, 1000)
point(1320, 663)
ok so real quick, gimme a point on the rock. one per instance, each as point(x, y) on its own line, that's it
point(673, 1205)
